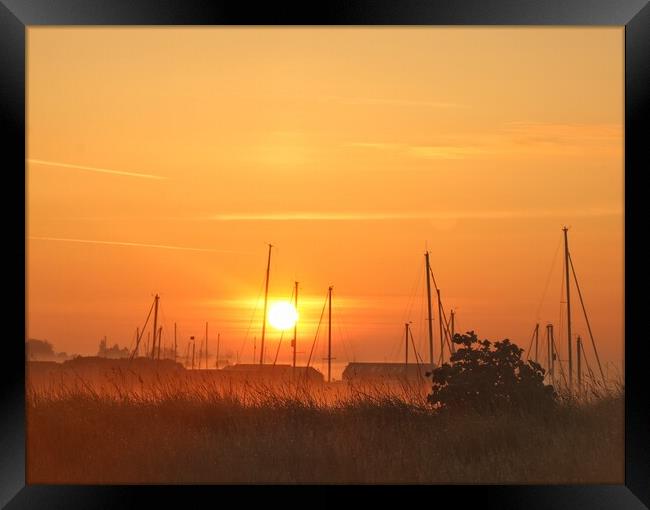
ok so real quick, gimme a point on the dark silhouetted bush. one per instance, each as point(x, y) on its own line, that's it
point(487, 376)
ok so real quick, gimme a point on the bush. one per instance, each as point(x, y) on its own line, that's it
point(488, 376)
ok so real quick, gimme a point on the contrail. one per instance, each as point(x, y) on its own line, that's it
point(140, 245)
point(94, 169)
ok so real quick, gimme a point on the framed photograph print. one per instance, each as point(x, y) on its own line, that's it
point(332, 245)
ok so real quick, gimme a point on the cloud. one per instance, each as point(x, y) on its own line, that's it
point(315, 216)
point(443, 151)
point(398, 102)
point(138, 245)
point(422, 151)
point(567, 134)
point(376, 145)
point(432, 215)
point(311, 302)
point(516, 139)
point(94, 169)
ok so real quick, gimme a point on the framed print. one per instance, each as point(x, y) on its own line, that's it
point(355, 244)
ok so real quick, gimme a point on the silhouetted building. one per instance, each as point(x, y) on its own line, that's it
point(275, 373)
point(368, 372)
point(112, 352)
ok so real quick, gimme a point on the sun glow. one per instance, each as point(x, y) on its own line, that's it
point(282, 315)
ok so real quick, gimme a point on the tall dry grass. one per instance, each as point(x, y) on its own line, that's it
point(194, 431)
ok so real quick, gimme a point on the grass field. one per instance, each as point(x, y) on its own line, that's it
point(203, 434)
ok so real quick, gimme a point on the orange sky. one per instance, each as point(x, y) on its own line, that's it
point(350, 149)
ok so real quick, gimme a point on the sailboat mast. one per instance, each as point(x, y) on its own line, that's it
point(549, 352)
point(406, 343)
point(218, 345)
point(329, 338)
point(453, 329)
point(568, 305)
point(266, 300)
point(155, 325)
point(578, 356)
point(295, 326)
point(206, 345)
point(555, 356)
point(430, 318)
point(536, 342)
point(584, 311)
point(442, 338)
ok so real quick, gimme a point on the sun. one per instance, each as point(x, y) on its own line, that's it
point(282, 315)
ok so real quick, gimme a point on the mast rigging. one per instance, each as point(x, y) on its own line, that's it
point(266, 300)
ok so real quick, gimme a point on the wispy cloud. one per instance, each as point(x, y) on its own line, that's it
point(443, 151)
point(94, 169)
point(315, 216)
point(433, 215)
point(138, 245)
point(423, 151)
point(513, 139)
point(377, 145)
point(549, 133)
point(314, 302)
point(419, 103)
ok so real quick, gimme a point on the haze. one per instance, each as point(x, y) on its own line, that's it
point(166, 159)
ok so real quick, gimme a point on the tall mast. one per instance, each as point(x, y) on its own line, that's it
point(218, 345)
point(193, 350)
point(584, 311)
point(295, 326)
point(329, 339)
point(549, 352)
point(442, 338)
point(536, 341)
point(206, 345)
point(428, 275)
point(406, 343)
point(568, 306)
point(578, 356)
point(554, 353)
point(266, 300)
point(453, 329)
point(155, 325)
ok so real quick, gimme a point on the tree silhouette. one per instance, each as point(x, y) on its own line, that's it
point(42, 350)
point(488, 376)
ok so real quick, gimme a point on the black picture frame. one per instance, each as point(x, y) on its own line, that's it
point(17, 15)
